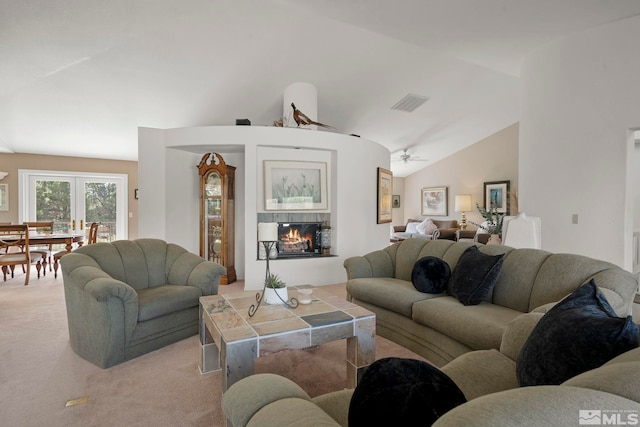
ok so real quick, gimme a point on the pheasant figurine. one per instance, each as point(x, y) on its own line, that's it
point(302, 119)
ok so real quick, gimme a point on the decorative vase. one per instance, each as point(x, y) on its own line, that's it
point(494, 239)
point(271, 295)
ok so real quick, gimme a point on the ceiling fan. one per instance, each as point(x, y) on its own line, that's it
point(406, 158)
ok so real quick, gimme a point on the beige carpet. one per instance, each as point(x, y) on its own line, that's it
point(39, 372)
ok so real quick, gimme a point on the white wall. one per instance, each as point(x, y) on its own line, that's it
point(397, 214)
point(494, 158)
point(580, 98)
point(169, 200)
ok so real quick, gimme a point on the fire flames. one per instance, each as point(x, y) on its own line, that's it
point(292, 241)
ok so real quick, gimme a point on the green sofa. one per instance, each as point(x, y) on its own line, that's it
point(486, 377)
point(438, 326)
point(129, 297)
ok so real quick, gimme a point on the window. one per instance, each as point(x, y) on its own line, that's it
point(74, 200)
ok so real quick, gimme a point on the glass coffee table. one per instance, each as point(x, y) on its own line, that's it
point(232, 340)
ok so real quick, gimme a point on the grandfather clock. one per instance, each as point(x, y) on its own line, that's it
point(217, 213)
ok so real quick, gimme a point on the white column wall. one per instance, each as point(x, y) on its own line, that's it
point(151, 184)
point(580, 97)
point(169, 183)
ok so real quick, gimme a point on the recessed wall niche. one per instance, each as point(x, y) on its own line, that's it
point(298, 233)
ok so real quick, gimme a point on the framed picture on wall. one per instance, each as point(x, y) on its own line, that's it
point(496, 195)
point(385, 188)
point(435, 201)
point(4, 197)
point(395, 202)
point(295, 185)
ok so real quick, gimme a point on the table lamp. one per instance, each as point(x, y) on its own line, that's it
point(463, 204)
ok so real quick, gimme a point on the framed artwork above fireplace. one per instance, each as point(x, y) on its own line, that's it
point(295, 185)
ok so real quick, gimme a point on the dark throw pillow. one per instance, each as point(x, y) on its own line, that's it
point(431, 275)
point(578, 334)
point(402, 392)
point(475, 275)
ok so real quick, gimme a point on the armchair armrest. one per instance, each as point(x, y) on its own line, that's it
point(446, 233)
point(100, 310)
point(466, 234)
point(482, 238)
point(190, 269)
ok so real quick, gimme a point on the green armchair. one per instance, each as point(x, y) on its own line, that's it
point(130, 297)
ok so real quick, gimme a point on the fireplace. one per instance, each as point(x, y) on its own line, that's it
point(297, 239)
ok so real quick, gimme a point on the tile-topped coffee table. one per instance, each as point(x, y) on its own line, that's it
point(231, 339)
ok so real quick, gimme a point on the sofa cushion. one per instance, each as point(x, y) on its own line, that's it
point(412, 228)
point(475, 275)
point(579, 333)
point(431, 275)
point(160, 300)
point(479, 327)
point(397, 391)
point(426, 227)
point(393, 294)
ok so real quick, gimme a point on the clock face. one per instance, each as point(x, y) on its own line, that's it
point(213, 186)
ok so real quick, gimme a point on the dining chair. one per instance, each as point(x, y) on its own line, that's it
point(92, 238)
point(45, 250)
point(15, 238)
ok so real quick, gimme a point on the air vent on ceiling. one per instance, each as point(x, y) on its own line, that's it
point(410, 102)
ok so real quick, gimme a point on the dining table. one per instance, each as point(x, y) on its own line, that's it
point(68, 239)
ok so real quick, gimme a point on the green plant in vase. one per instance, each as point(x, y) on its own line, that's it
point(493, 220)
point(274, 282)
point(275, 290)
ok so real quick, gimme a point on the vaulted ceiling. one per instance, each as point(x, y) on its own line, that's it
point(78, 77)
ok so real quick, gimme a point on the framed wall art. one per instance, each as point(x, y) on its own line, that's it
point(435, 201)
point(385, 188)
point(496, 194)
point(4, 197)
point(295, 185)
point(395, 201)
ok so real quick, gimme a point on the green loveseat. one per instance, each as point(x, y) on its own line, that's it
point(129, 297)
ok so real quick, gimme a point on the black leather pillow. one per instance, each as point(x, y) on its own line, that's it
point(475, 275)
point(401, 392)
point(431, 275)
point(578, 334)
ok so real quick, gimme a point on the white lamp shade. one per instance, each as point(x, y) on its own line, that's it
point(267, 231)
point(463, 203)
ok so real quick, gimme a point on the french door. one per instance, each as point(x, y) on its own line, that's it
point(74, 200)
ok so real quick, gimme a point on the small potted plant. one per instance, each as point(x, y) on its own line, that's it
point(275, 291)
point(492, 224)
